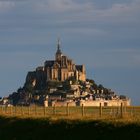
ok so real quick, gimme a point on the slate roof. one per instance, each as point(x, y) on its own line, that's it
point(79, 67)
point(49, 63)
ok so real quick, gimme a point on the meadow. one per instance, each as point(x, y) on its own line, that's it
point(73, 112)
point(17, 128)
point(51, 123)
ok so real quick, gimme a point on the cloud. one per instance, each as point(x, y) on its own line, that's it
point(136, 59)
point(62, 5)
point(6, 5)
point(66, 12)
point(123, 57)
point(109, 57)
point(83, 31)
point(123, 11)
point(87, 8)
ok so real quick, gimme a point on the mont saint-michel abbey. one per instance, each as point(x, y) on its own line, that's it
point(61, 81)
point(63, 68)
point(60, 69)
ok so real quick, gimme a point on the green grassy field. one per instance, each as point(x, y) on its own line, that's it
point(54, 128)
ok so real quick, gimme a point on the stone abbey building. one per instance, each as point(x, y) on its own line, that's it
point(60, 69)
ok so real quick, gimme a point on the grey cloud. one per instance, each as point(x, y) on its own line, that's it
point(6, 6)
point(62, 5)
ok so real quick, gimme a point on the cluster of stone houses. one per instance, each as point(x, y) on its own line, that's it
point(78, 97)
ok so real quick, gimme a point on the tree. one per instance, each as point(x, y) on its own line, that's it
point(53, 84)
point(100, 86)
point(29, 88)
point(66, 85)
point(93, 84)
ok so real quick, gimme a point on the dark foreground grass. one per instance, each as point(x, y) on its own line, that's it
point(12, 128)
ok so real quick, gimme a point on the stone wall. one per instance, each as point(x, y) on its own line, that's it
point(105, 102)
point(61, 103)
point(90, 103)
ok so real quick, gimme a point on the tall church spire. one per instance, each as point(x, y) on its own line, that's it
point(58, 52)
point(58, 44)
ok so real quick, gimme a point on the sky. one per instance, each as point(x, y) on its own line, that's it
point(102, 34)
